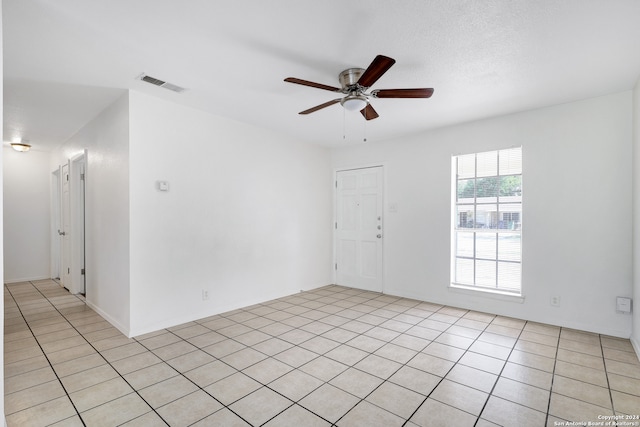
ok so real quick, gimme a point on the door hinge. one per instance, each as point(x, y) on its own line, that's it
point(82, 271)
point(336, 225)
point(81, 177)
point(336, 184)
point(336, 265)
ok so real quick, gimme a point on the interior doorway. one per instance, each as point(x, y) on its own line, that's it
point(359, 228)
point(68, 224)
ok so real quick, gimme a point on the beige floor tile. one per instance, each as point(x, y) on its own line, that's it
point(544, 339)
point(296, 385)
point(166, 391)
point(252, 338)
point(189, 409)
point(396, 399)
point(570, 409)
point(122, 352)
point(522, 394)
point(211, 372)
point(98, 394)
point(365, 343)
point(73, 421)
point(88, 378)
point(356, 382)
point(29, 379)
point(582, 391)
point(324, 368)
point(531, 376)
point(160, 340)
point(296, 356)
point(112, 342)
point(626, 403)
point(536, 348)
point(329, 402)
point(346, 355)
point(244, 358)
point(482, 362)
point(509, 322)
point(340, 335)
point(222, 417)
point(232, 388)
point(489, 349)
point(431, 364)
point(474, 378)
point(581, 373)
point(272, 346)
point(136, 362)
point(319, 345)
point(206, 339)
point(542, 329)
point(624, 384)
point(506, 413)
point(621, 368)
point(395, 353)
point(594, 362)
point(218, 350)
point(444, 351)
point(174, 350)
point(454, 340)
point(116, 412)
point(267, 370)
point(295, 415)
point(383, 334)
point(424, 333)
point(366, 414)
point(621, 356)
point(460, 396)
point(532, 360)
point(616, 343)
point(416, 380)
point(150, 375)
point(411, 342)
point(586, 337)
point(378, 366)
point(24, 366)
point(497, 339)
point(190, 361)
point(150, 419)
point(78, 365)
point(434, 413)
point(46, 413)
point(33, 396)
point(503, 330)
point(260, 406)
point(460, 330)
point(580, 347)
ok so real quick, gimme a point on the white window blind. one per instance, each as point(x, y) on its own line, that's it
point(487, 220)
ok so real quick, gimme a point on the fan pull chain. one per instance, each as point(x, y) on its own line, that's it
point(344, 125)
point(365, 131)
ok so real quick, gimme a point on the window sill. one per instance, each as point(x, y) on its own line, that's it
point(486, 293)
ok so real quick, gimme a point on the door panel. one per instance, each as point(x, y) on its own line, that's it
point(359, 228)
point(66, 227)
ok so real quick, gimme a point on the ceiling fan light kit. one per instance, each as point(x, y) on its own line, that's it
point(355, 82)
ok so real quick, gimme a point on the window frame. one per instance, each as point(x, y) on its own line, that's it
point(502, 223)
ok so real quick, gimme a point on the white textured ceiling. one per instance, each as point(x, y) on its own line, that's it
point(66, 60)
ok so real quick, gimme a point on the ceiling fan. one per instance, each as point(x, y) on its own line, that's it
point(355, 82)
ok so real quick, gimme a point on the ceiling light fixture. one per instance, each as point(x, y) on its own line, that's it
point(20, 146)
point(354, 102)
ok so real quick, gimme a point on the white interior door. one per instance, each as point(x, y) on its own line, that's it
point(56, 224)
point(66, 227)
point(359, 202)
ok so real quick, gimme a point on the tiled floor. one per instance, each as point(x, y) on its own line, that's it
point(331, 356)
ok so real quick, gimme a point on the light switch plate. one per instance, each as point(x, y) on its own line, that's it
point(163, 186)
point(623, 305)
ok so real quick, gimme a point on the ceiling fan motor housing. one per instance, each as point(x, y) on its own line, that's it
point(349, 79)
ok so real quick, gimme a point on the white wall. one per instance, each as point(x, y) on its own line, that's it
point(247, 215)
point(577, 210)
point(635, 338)
point(26, 215)
point(106, 209)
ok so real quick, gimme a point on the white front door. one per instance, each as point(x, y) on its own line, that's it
point(359, 228)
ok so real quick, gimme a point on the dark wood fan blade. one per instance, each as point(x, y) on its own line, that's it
point(403, 93)
point(369, 113)
point(312, 84)
point(320, 107)
point(375, 70)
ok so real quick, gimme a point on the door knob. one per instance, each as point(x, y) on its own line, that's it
point(379, 236)
point(62, 233)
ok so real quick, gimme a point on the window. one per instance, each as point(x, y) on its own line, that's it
point(487, 221)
